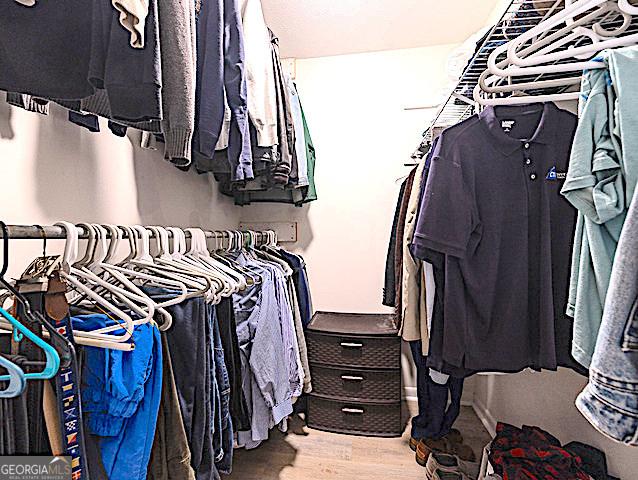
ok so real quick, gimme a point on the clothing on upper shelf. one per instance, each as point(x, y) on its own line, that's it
point(133, 15)
point(262, 188)
point(194, 76)
point(260, 73)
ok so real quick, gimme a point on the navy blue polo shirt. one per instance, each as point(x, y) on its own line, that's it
point(492, 206)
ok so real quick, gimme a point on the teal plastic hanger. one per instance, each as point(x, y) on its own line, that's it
point(17, 379)
point(52, 357)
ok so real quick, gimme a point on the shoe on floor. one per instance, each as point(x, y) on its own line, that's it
point(413, 443)
point(445, 462)
point(429, 445)
point(441, 475)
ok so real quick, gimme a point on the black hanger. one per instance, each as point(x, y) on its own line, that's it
point(62, 345)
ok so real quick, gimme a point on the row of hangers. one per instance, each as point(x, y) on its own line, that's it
point(98, 281)
point(534, 65)
point(574, 31)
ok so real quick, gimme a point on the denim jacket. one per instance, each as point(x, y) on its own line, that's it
point(610, 400)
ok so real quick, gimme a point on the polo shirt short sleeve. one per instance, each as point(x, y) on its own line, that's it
point(492, 207)
point(596, 187)
point(449, 204)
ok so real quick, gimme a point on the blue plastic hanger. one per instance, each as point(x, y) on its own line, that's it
point(17, 379)
point(52, 357)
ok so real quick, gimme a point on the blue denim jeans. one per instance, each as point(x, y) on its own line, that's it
point(223, 436)
point(436, 417)
point(610, 399)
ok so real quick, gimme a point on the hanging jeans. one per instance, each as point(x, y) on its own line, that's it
point(223, 436)
point(436, 417)
point(190, 347)
point(232, 356)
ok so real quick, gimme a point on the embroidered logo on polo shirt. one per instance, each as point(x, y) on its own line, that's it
point(554, 175)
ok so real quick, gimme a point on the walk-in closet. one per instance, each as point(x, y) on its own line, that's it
point(319, 239)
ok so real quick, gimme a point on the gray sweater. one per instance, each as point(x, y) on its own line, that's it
point(175, 27)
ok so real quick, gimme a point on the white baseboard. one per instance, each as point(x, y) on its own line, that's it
point(485, 416)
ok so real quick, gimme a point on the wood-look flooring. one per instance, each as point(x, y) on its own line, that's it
point(305, 454)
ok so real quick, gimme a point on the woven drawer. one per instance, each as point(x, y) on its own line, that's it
point(379, 420)
point(361, 385)
point(354, 351)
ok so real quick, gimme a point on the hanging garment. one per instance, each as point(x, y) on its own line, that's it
point(120, 397)
point(220, 78)
point(133, 15)
point(600, 181)
point(232, 356)
point(610, 398)
point(413, 315)
point(285, 169)
point(176, 25)
point(260, 74)
point(266, 340)
point(389, 288)
point(505, 237)
point(439, 404)
point(300, 143)
point(223, 434)
point(57, 68)
point(302, 287)
point(189, 341)
point(170, 455)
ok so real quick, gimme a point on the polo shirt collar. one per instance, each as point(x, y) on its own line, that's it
point(507, 144)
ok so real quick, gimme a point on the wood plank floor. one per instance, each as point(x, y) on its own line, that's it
point(305, 454)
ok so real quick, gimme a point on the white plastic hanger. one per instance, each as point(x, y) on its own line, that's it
point(598, 44)
point(575, 15)
point(231, 280)
point(198, 284)
point(165, 259)
point(134, 292)
point(69, 273)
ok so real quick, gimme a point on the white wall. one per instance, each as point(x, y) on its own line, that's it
point(355, 110)
point(363, 136)
point(54, 170)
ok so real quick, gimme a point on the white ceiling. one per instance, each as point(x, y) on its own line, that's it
point(316, 28)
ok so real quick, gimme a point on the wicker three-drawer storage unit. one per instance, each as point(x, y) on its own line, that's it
point(355, 363)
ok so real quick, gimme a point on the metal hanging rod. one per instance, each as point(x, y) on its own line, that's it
point(54, 232)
